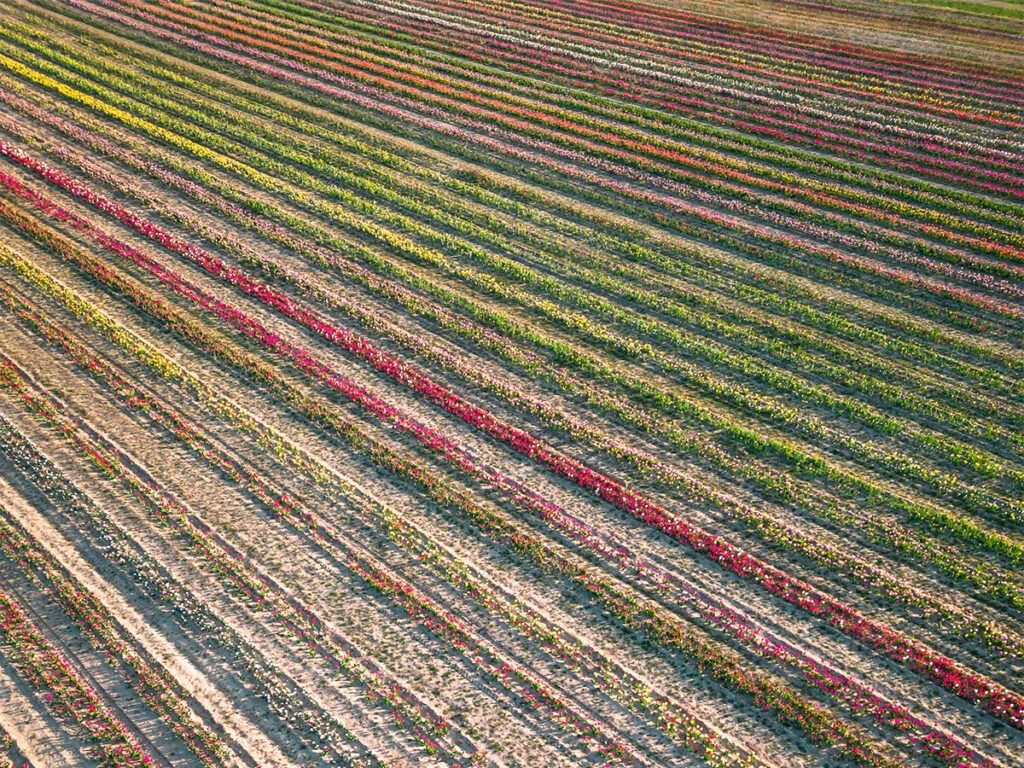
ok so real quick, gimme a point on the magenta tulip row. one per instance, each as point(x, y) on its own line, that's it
point(816, 673)
point(644, 509)
point(272, 269)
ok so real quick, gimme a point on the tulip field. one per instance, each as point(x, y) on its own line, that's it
point(492, 384)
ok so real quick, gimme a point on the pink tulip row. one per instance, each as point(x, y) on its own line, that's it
point(488, 658)
point(646, 510)
point(275, 270)
point(296, 49)
point(693, 733)
point(718, 221)
point(789, 708)
point(645, 144)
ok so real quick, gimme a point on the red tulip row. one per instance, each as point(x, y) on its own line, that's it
point(816, 673)
point(398, 236)
point(697, 736)
point(524, 684)
point(903, 464)
point(272, 269)
point(716, 552)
